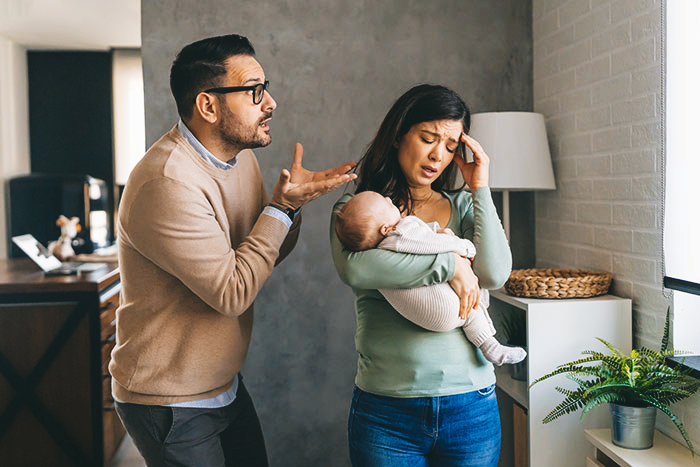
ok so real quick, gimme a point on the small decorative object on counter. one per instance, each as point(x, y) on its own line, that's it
point(558, 283)
point(634, 385)
point(63, 247)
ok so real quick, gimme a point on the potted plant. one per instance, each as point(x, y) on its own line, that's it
point(633, 385)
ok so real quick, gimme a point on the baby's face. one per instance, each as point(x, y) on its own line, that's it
point(382, 208)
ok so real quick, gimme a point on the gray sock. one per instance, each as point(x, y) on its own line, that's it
point(498, 354)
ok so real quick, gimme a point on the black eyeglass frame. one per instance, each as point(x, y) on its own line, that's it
point(225, 90)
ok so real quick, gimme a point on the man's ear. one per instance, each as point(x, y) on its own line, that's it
point(207, 107)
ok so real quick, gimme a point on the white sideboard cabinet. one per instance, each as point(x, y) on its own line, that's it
point(665, 452)
point(556, 332)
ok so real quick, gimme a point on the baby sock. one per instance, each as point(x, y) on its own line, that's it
point(499, 354)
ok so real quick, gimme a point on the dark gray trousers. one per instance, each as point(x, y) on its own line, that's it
point(229, 436)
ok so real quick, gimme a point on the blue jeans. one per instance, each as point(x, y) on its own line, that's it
point(462, 430)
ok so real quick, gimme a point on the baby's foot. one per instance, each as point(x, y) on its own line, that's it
point(498, 354)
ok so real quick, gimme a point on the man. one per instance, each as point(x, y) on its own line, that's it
point(197, 241)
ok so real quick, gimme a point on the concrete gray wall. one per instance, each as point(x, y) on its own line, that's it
point(335, 68)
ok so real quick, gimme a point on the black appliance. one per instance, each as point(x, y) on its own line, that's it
point(34, 203)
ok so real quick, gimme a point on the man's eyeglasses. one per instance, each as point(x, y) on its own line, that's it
point(258, 90)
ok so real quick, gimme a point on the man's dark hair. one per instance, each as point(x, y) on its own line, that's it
point(200, 65)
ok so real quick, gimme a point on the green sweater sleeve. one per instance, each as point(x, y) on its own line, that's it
point(480, 223)
point(384, 269)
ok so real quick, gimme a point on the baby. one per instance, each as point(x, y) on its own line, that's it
point(369, 220)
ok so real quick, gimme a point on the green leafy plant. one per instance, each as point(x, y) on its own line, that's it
point(641, 379)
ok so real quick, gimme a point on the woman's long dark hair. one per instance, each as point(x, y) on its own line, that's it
point(379, 169)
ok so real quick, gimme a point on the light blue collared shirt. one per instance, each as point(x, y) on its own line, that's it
point(222, 400)
point(204, 152)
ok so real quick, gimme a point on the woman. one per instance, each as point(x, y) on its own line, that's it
point(424, 398)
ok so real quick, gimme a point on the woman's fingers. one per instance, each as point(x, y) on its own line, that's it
point(476, 173)
point(471, 143)
point(463, 307)
point(475, 146)
point(466, 286)
point(467, 304)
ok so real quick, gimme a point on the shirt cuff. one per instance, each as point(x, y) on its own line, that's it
point(279, 215)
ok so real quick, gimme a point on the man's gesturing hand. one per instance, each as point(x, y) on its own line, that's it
point(299, 186)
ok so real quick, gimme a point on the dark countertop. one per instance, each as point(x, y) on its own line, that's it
point(21, 275)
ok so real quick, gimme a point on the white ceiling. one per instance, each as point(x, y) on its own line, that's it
point(72, 24)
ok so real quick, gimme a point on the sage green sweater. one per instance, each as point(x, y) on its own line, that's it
point(194, 251)
point(396, 357)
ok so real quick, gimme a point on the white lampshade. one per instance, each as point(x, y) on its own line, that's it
point(516, 143)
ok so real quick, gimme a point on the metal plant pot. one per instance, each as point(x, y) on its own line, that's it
point(632, 427)
point(518, 371)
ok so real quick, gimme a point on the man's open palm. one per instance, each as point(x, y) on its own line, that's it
point(299, 186)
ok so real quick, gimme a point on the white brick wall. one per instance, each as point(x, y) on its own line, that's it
point(597, 80)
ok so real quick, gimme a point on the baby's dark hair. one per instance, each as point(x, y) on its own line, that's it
point(357, 229)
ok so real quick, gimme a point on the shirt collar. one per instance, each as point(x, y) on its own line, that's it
point(204, 152)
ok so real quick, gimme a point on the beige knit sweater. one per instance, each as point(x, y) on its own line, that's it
point(194, 251)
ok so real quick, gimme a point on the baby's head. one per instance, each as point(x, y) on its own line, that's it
point(365, 220)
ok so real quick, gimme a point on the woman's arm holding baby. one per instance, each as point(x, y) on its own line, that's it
point(382, 269)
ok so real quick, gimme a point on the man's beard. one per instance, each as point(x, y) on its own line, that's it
point(237, 136)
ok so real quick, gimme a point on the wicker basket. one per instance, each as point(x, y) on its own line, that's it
point(558, 283)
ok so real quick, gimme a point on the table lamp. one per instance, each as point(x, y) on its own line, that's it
point(516, 143)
